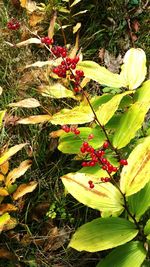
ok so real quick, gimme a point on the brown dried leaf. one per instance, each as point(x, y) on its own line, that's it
point(6, 254)
point(3, 192)
point(24, 189)
point(52, 25)
point(10, 120)
point(6, 207)
point(35, 119)
point(17, 172)
point(35, 18)
point(26, 103)
point(135, 25)
point(4, 167)
point(56, 134)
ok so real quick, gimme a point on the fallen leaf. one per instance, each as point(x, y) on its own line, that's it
point(10, 152)
point(2, 177)
point(135, 25)
point(3, 220)
point(11, 224)
point(18, 172)
point(7, 207)
point(26, 103)
point(35, 119)
point(6, 254)
point(56, 134)
point(1, 90)
point(35, 18)
point(4, 167)
point(28, 41)
point(24, 189)
point(3, 192)
point(29, 5)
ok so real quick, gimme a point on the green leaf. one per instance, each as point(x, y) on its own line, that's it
point(134, 68)
point(136, 174)
point(103, 233)
point(128, 125)
point(100, 74)
point(143, 199)
point(56, 90)
point(130, 254)
point(103, 197)
point(78, 115)
point(147, 228)
point(2, 114)
point(97, 101)
point(143, 93)
point(107, 110)
point(3, 220)
point(71, 143)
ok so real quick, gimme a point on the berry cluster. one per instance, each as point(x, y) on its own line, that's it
point(13, 24)
point(67, 129)
point(105, 180)
point(59, 51)
point(67, 64)
point(46, 40)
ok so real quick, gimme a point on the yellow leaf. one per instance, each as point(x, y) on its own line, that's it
point(6, 207)
point(103, 197)
point(3, 192)
point(2, 114)
point(10, 152)
point(56, 90)
point(75, 2)
point(29, 5)
point(4, 167)
point(11, 224)
point(17, 172)
point(76, 27)
point(35, 119)
point(107, 110)
point(2, 177)
point(3, 220)
point(78, 115)
point(24, 189)
point(26, 103)
point(35, 18)
point(136, 174)
point(134, 68)
point(100, 74)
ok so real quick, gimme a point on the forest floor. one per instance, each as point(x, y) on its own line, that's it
point(47, 217)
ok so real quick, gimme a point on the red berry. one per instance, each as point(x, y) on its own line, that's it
point(106, 144)
point(76, 59)
point(107, 179)
point(64, 53)
point(82, 149)
point(104, 167)
point(103, 160)
point(76, 89)
point(76, 131)
point(91, 163)
point(115, 169)
point(110, 168)
point(85, 144)
point(73, 66)
point(13, 24)
point(84, 164)
point(91, 185)
point(123, 162)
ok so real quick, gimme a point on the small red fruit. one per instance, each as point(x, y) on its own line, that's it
point(123, 162)
point(76, 131)
point(106, 144)
point(91, 136)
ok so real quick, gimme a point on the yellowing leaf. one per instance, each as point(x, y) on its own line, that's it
point(107, 110)
point(134, 68)
point(10, 152)
point(136, 174)
point(2, 177)
point(78, 115)
point(35, 119)
point(11, 224)
point(100, 74)
point(24, 189)
point(56, 90)
point(6, 207)
point(75, 2)
point(35, 18)
point(103, 197)
point(26, 103)
point(76, 27)
point(2, 114)
point(29, 5)
point(3, 192)
point(17, 172)
point(52, 25)
point(1, 90)
point(3, 220)
point(4, 167)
